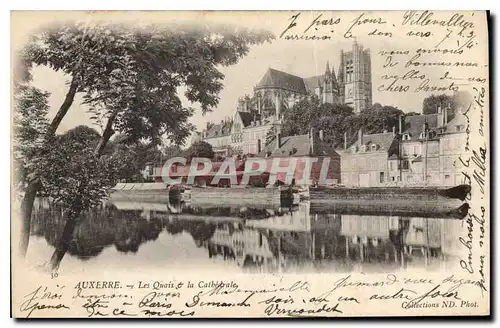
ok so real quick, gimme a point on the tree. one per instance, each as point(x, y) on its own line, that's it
point(135, 156)
point(433, 102)
point(337, 120)
point(30, 125)
point(171, 151)
point(311, 113)
point(129, 77)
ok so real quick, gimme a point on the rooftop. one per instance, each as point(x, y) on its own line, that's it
point(383, 140)
point(299, 145)
point(414, 124)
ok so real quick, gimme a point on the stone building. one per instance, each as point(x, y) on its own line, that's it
point(355, 78)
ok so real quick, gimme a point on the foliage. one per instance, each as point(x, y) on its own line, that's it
point(335, 120)
point(135, 74)
point(129, 78)
point(74, 176)
point(311, 113)
point(459, 100)
point(133, 157)
point(433, 102)
point(170, 151)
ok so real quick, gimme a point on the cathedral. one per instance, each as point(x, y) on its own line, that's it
point(278, 90)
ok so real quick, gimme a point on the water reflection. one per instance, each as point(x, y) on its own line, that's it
point(294, 239)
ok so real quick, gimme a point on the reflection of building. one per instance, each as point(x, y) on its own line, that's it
point(366, 162)
point(296, 220)
point(240, 245)
point(365, 234)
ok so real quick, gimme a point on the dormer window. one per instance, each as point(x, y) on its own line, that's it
point(374, 147)
point(363, 148)
point(421, 136)
point(459, 128)
point(406, 136)
point(354, 149)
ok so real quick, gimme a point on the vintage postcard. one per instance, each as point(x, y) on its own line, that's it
point(232, 164)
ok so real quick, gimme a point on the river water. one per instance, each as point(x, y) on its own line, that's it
point(138, 236)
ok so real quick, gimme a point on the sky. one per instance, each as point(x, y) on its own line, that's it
point(304, 58)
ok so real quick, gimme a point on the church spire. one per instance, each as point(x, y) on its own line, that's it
point(341, 67)
point(328, 73)
point(334, 78)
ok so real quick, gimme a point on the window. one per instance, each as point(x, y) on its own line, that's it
point(381, 177)
point(374, 147)
point(363, 148)
point(406, 136)
point(416, 150)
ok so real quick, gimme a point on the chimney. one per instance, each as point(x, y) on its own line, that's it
point(278, 136)
point(400, 124)
point(393, 130)
point(440, 117)
point(360, 137)
point(311, 138)
point(445, 117)
point(345, 140)
point(321, 135)
point(277, 104)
